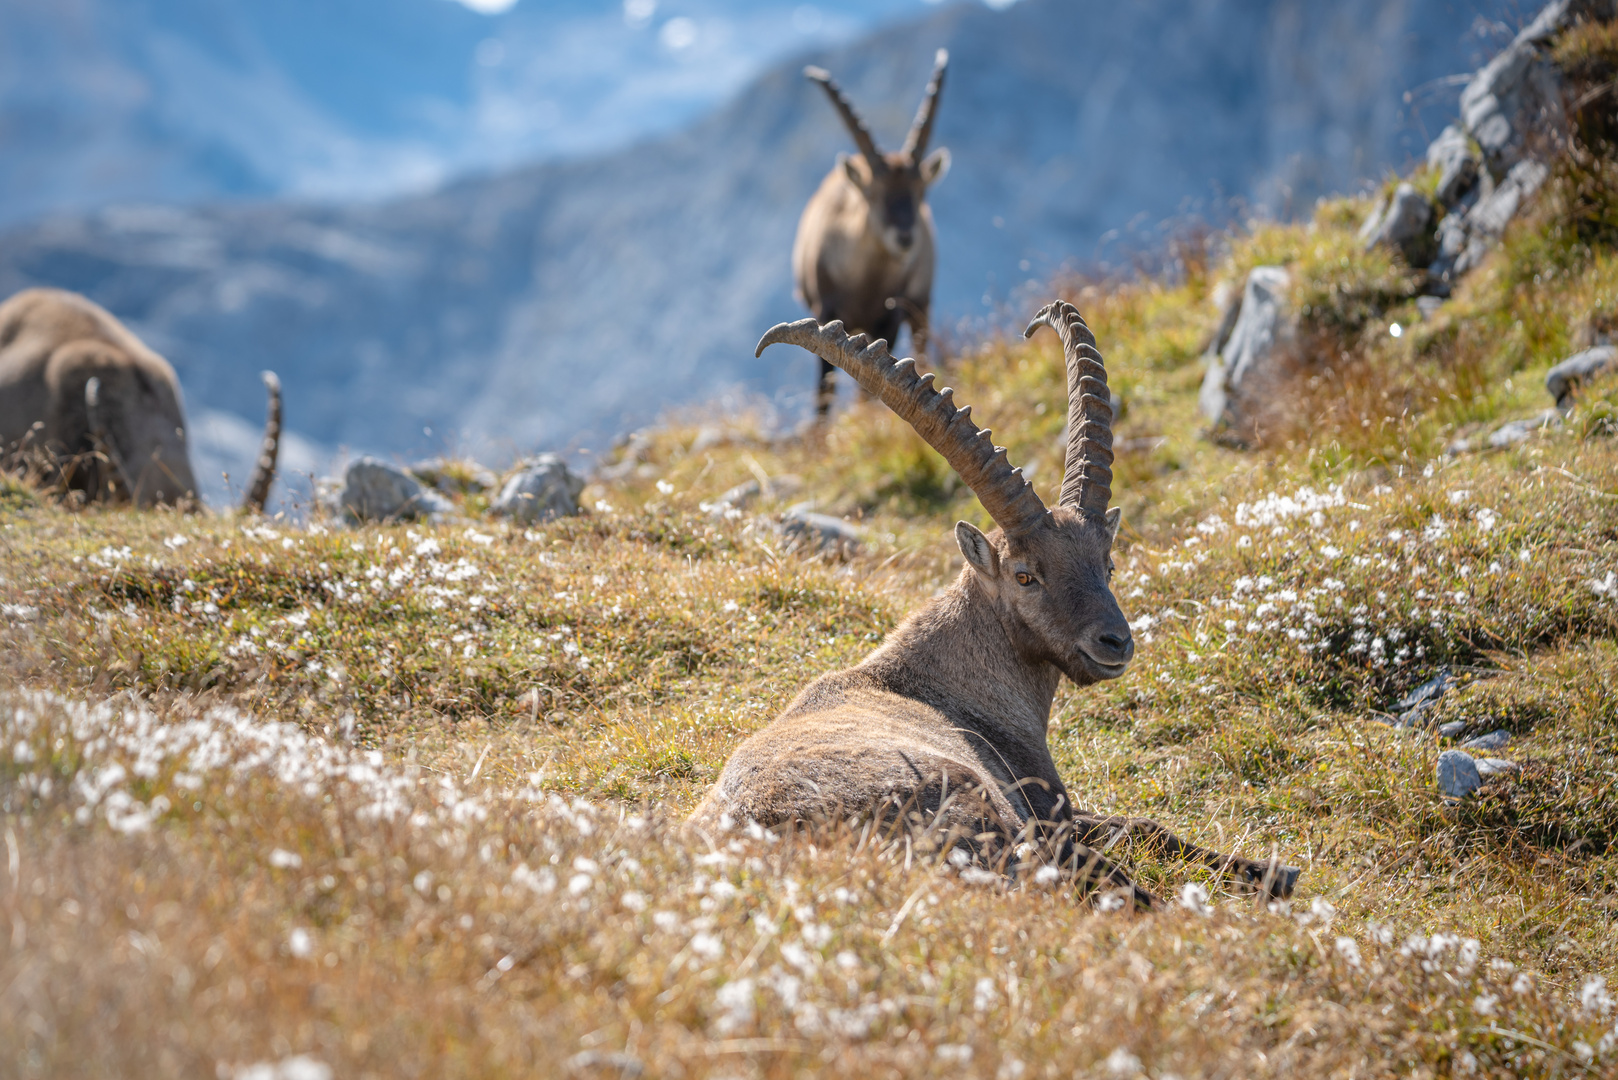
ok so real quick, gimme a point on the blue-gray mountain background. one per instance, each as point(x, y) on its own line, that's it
point(539, 228)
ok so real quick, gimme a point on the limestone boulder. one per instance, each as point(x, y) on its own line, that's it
point(1243, 378)
point(541, 489)
point(374, 490)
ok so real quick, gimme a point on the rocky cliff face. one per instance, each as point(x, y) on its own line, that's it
point(570, 301)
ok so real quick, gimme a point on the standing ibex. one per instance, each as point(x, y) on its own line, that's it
point(864, 250)
point(949, 718)
point(82, 395)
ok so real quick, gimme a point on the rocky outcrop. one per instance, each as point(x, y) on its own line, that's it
point(543, 489)
point(1514, 109)
point(1255, 358)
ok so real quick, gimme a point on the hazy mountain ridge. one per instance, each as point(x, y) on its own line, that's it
point(569, 301)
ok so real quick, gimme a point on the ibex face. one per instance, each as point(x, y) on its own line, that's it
point(895, 196)
point(1051, 592)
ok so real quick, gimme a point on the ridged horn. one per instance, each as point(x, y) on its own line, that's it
point(258, 489)
point(1008, 498)
point(851, 119)
point(922, 130)
point(1087, 478)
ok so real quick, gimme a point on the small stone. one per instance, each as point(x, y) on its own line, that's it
point(822, 531)
point(1517, 431)
point(1427, 693)
point(1494, 740)
point(1565, 378)
point(542, 489)
point(1457, 774)
point(1493, 766)
point(376, 491)
point(1427, 307)
point(1452, 729)
point(1403, 224)
point(1451, 155)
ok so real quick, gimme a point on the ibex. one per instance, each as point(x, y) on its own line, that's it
point(81, 392)
point(864, 249)
point(949, 717)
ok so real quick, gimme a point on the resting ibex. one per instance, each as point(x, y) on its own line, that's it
point(81, 392)
point(864, 250)
point(949, 718)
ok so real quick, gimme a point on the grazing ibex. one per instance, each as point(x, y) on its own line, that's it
point(949, 718)
point(83, 394)
point(864, 250)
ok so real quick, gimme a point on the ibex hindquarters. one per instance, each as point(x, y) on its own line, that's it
point(950, 716)
point(84, 400)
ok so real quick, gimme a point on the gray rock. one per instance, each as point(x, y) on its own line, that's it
point(1577, 369)
point(1464, 239)
point(1494, 740)
point(1451, 155)
point(542, 489)
point(1427, 306)
point(1493, 766)
point(805, 528)
point(1254, 360)
point(743, 495)
point(1452, 729)
point(1457, 774)
point(1515, 100)
point(1517, 431)
point(1427, 693)
point(1402, 224)
point(376, 491)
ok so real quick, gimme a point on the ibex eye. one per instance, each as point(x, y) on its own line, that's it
point(1025, 579)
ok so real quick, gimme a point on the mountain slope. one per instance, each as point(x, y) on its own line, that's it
point(566, 302)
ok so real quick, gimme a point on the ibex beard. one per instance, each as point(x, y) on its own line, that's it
point(944, 729)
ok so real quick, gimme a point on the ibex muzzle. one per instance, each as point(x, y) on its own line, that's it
point(945, 725)
point(865, 245)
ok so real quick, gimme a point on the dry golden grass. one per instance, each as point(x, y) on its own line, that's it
point(403, 801)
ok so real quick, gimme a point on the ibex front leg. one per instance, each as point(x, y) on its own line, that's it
point(1273, 879)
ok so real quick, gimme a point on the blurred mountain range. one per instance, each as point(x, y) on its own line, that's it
point(184, 100)
point(566, 301)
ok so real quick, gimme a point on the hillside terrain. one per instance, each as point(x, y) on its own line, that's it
point(569, 302)
point(107, 102)
point(311, 801)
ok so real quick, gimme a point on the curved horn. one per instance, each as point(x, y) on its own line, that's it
point(258, 489)
point(1008, 498)
point(1087, 478)
point(922, 130)
point(856, 126)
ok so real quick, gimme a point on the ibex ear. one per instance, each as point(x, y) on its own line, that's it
point(934, 166)
point(857, 170)
point(977, 549)
point(1115, 518)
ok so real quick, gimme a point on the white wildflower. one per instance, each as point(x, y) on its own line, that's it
point(1486, 1004)
point(955, 1053)
point(1194, 898)
point(1349, 950)
point(299, 942)
point(1123, 1063)
point(285, 860)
